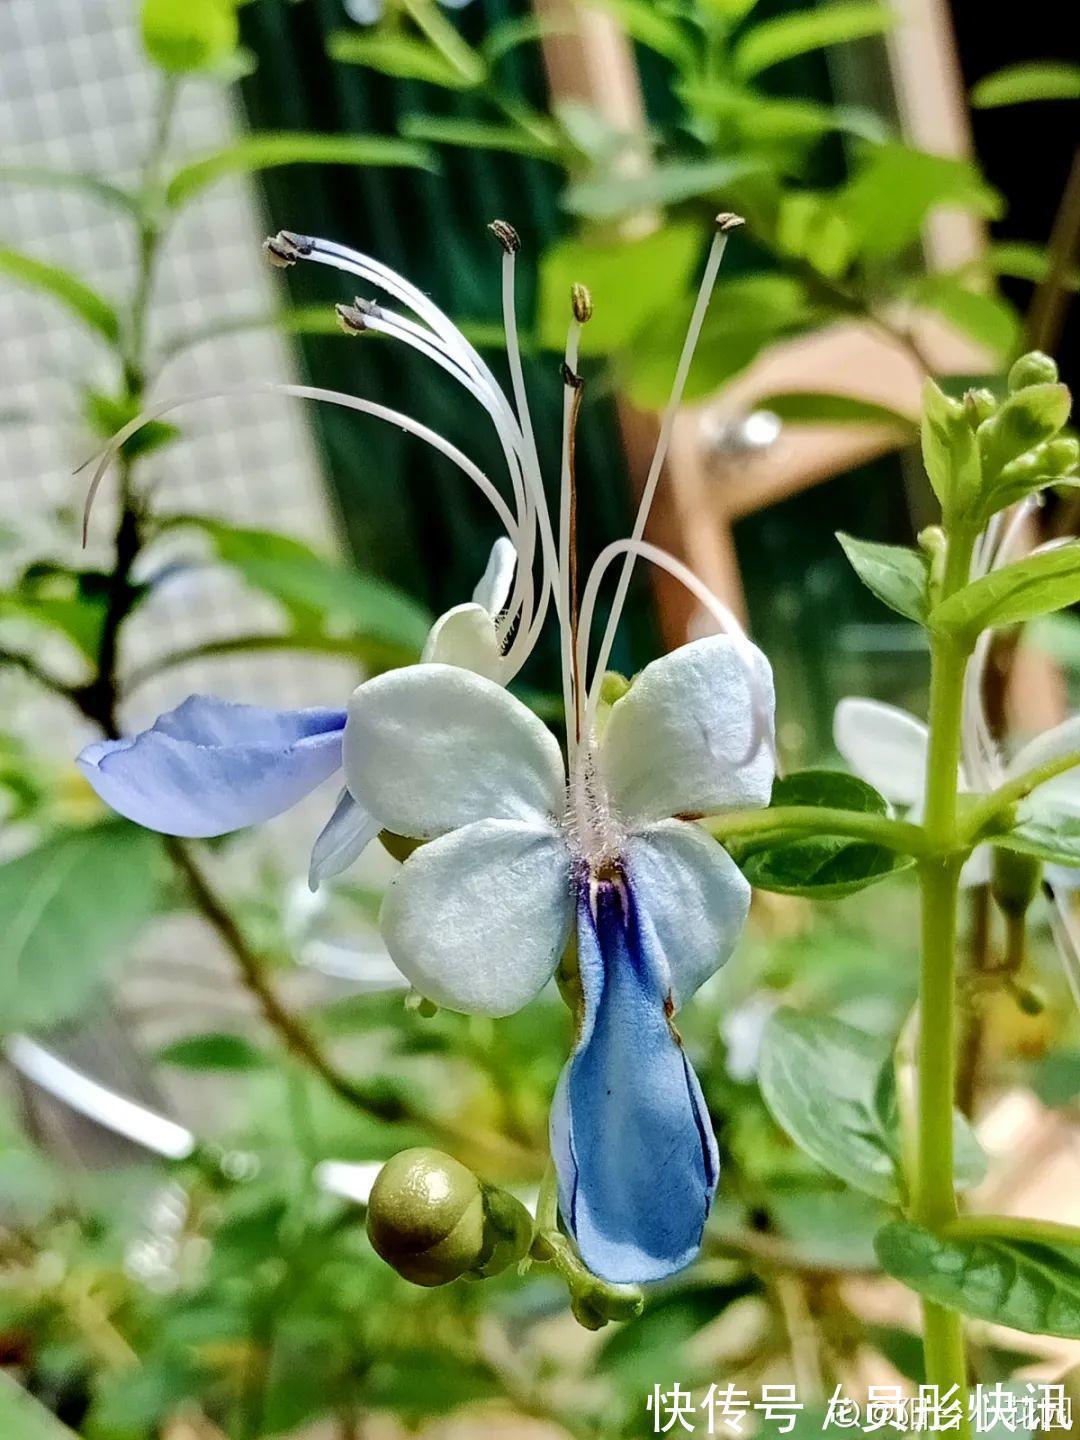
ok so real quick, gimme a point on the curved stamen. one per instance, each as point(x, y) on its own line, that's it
point(725, 618)
point(724, 225)
point(571, 676)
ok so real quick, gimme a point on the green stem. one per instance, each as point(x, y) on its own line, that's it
point(792, 821)
point(932, 1188)
point(979, 819)
point(1009, 1227)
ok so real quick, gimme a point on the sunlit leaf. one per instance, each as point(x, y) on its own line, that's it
point(895, 189)
point(182, 36)
point(69, 911)
point(292, 147)
point(897, 576)
point(786, 36)
point(1033, 80)
point(406, 57)
point(480, 135)
point(74, 294)
point(816, 407)
point(1007, 1280)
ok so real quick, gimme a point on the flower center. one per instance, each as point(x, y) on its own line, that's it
point(594, 832)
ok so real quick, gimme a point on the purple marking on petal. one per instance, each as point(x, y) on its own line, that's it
point(630, 1132)
point(211, 766)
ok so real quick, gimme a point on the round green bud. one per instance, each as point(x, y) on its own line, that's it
point(426, 1217)
point(1034, 368)
point(1061, 456)
point(1015, 881)
point(979, 404)
point(613, 687)
point(195, 35)
point(508, 1230)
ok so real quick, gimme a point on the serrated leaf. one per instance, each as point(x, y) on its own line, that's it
point(407, 58)
point(816, 407)
point(69, 911)
point(896, 575)
point(480, 135)
point(786, 36)
point(222, 1051)
point(1033, 80)
point(269, 150)
point(823, 866)
point(1038, 585)
point(1009, 1281)
point(74, 294)
point(828, 1086)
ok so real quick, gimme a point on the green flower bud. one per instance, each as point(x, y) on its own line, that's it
point(1034, 368)
point(192, 35)
point(433, 1221)
point(1015, 881)
point(980, 404)
point(613, 687)
point(1061, 456)
point(426, 1217)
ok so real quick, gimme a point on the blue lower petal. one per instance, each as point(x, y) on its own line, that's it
point(630, 1133)
point(211, 766)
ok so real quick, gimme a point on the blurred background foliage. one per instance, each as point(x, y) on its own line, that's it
point(233, 1291)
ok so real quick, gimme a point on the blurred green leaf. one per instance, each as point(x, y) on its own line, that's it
point(808, 227)
point(319, 593)
point(1036, 586)
point(630, 283)
point(213, 1052)
point(506, 35)
point(69, 180)
point(1033, 80)
point(84, 303)
point(406, 57)
point(825, 866)
point(69, 910)
point(480, 135)
point(23, 1418)
point(987, 319)
point(786, 36)
point(109, 413)
point(815, 407)
point(1006, 1280)
point(897, 576)
point(895, 189)
point(1056, 1078)
point(1022, 261)
point(1054, 839)
point(949, 450)
point(291, 147)
point(605, 197)
point(182, 36)
point(70, 601)
point(646, 23)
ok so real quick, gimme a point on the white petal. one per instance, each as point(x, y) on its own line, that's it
point(493, 588)
point(430, 747)
point(1063, 793)
point(478, 919)
point(678, 742)
point(884, 746)
point(978, 867)
point(691, 899)
point(465, 636)
point(343, 839)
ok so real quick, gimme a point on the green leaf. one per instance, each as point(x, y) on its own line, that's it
point(70, 601)
point(895, 189)
point(213, 1052)
point(789, 35)
point(1022, 261)
point(1010, 1281)
point(949, 449)
point(69, 910)
point(816, 407)
point(1055, 840)
point(407, 58)
point(108, 413)
point(79, 180)
point(645, 22)
point(23, 1418)
point(606, 197)
point(84, 303)
point(319, 593)
point(182, 36)
point(1034, 80)
point(987, 319)
point(824, 866)
point(831, 1088)
point(1036, 586)
point(896, 575)
point(507, 35)
point(1027, 418)
point(480, 135)
point(630, 283)
point(268, 150)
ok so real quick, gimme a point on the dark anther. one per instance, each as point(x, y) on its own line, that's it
point(727, 220)
point(285, 248)
point(581, 303)
point(506, 235)
point(351, 319)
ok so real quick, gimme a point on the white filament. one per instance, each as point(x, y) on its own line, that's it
point(570, 677)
